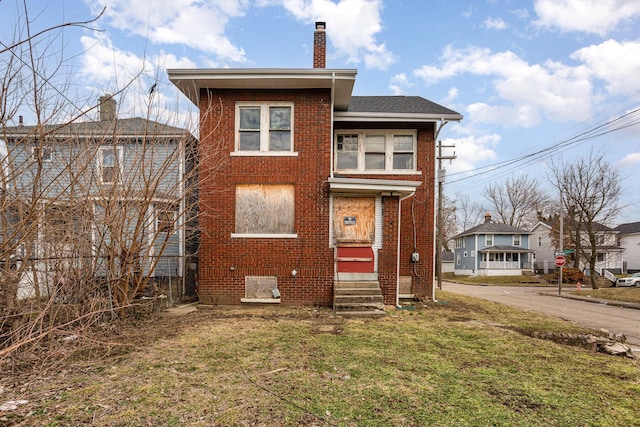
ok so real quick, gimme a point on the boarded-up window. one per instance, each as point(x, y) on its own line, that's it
point(354, 219)
point(260, 287)
point(265, 209)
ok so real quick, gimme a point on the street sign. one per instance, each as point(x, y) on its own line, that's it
point(560, 260)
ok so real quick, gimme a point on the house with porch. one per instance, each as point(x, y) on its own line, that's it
point(317, 196)
point(492, 249)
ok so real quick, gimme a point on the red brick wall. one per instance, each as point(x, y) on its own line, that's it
point(224, 261)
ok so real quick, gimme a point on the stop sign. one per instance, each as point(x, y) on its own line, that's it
point(560, 260)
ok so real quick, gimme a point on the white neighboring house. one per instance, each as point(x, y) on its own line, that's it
point(629, 239)
point(609, 254)
point(544, 249)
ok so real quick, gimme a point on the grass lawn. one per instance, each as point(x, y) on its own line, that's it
point(620, 294)
point(462, 362)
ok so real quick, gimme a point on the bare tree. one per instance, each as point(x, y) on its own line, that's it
point(590, 189)
point(468, 212)
point(93, 213)
point(518, 201)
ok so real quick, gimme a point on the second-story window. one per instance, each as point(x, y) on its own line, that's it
point(488, 240)
point(516, 240)
point(264, 128)
point(110, 164)
point(384, 151)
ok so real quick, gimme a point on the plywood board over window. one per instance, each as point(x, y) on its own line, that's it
point(354, 220)
point(265, 209)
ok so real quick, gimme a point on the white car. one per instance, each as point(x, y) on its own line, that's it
point(633, 280)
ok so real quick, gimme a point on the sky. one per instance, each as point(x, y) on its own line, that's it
point(538, 82)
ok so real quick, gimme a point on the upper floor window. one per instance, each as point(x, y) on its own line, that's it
point(45, 153)
point(376, 151)
point(110, 164)
point(264, 127)
point(516, 240)
point(488, 240)
point(166, 218)
point(539, 241)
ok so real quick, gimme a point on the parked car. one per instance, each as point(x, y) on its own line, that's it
point(633, 280)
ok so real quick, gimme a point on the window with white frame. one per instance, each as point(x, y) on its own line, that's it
point(488, 240)
point(539, 241)
point(264, 127)
point(44, 153)
point(376, 151)
point(465, 254)
point(516, 240)
point(166, 218)
point(110, 164)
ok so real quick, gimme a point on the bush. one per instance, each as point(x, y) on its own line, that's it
point(572, 275)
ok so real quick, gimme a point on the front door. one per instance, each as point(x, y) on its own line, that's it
point(354, 233)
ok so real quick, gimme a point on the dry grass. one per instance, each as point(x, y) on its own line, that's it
point(462, 362)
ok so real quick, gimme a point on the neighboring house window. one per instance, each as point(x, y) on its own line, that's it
point(459, 242)
point(539, 241)
point(110, 164)
point(264, 128)
point(488, 240)
point(265, 210)
point(600, 239)
point(465, 254)
point(46, 153)
point(473, 253)
point(382, 151)
point(516, 240)
point(457, 259)
point(600, 257)
point(166, 219)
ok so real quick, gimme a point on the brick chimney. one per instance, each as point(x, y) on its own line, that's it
point(107, 108)
point(320, 45)
point(487, 217)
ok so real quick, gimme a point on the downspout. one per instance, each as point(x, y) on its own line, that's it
point(401, 199)
point(333, 90)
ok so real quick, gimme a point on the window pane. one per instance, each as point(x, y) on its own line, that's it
point(347, 160)
point(403, 143)
point(403, 161)
point(109, 174)
point(280, 141)
point(280, 117)
point(250, 118)
point(249, 141)
point(374, 143)
point(108, 157)
point(347, 143)
point(374, 161)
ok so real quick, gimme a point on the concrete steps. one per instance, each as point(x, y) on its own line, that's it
point(358, 298)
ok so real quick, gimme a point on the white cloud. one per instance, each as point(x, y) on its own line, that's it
point(520, 13)
point(193, 23)
point(399, 83)
point(494, 24)
point(526, 93)
point(617, 63)
point(472, 150)
point(352, 26)
point(630, 160)
point(588, 16)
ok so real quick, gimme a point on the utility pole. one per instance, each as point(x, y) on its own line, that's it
point(561, 241)
point(441, 179)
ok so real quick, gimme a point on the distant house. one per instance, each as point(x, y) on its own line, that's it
point(492, 249)
point(318, 192)
point(543, 247)
point(629, 239)
point(609, 254)
point(448, 261)
point(96, 199)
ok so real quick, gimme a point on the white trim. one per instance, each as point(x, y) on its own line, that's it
point(264, 154)
point(119, 152)
point(263, 236)
point(265, 121)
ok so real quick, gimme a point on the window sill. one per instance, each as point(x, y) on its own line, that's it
point(264, 154)
point(263, 236)
point(377, 172)
point(261, 300)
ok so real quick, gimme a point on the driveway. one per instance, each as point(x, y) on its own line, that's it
point(546, 300)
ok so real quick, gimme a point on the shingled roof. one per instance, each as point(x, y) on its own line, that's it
point(628, 228)
point(493, 227)
point(396, 104)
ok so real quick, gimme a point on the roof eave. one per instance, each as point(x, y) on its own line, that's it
point(190, 81)
point(385, 187)
point(344, 116)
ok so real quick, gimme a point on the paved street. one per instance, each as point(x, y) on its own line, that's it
point(614, 319)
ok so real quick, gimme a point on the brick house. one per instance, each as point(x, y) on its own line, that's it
point(304, 187)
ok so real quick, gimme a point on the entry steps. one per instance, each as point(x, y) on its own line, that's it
point(358, 298)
